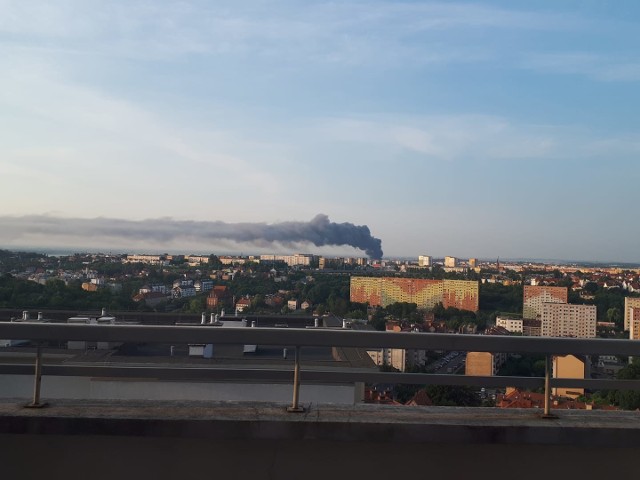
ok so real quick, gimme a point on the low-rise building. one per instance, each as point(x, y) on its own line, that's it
point(219, 296)
point(242, 304)
point(203, 285)
point(513, 325)
point(183, 292)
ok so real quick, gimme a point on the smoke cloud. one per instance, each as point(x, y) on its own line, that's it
point(319, 231)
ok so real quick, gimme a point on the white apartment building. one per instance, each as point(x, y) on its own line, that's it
point(634, 323)
point(514, 325)
point(425, 260)
point(195, 260)
point(297, 259)
point(398, 357)
point(450, 262)
point(568, 320)
point(149, 259)
point(629, 303)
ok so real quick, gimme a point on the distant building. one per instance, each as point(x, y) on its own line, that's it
point(90, 287)
point(242, 304)
point(569, 366)
point(568, 320)
point(297, 259)
point(483, 364)
point(149, 259)
point(152, 299)
point(183, 282)
point(486, 363)
point(398, 358)
point(230, 260)
point(425, 261)
point(532, 327)
point(536, 296)
point(383, 291)
point(450, 262)
point(293, 305)
point(195, 260)
point(634, 323)
point(203, 285)
point(513, 325)
point(629, 303)
point(473, 262)
point(183, 291)
point(218, 297)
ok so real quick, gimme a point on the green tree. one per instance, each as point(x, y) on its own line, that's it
point(448, 395)
point(628, 399)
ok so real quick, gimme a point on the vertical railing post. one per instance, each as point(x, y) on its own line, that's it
point(295, 407)
point(547, 388)
point(37, 380)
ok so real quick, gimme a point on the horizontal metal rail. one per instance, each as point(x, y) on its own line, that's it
point(324, 376)
point(310, 337)
point(316, 337)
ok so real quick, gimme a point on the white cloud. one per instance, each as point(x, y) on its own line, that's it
point(370, 32)
point(473, 137)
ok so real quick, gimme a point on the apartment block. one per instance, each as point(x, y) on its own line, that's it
point(383, 291)
point(425, 260)
point(537, 295)
point(568, 320)
point(634, 323)
point(629, 303)
point(398, 358)
point(531, 327)
point(297, 259)
point(450, 262)
point(149, 259)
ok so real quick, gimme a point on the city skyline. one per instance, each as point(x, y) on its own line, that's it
point(474, 129)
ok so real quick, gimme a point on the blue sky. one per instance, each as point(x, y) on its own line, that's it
point(478, 129)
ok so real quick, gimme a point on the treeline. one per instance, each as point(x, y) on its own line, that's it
point(625, 399)
point(55, 294)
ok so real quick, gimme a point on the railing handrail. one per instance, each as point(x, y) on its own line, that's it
point(316, 337)
point(323, 337)
point(186, 373)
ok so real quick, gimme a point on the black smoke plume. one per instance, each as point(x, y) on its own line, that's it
point(319, 231)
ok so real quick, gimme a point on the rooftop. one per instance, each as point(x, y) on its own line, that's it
point(343, 423)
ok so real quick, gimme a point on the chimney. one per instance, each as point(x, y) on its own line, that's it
point(104, 312)
point(344, 323)
point(39, 315)
point(25, 315)
point(316, 322)
point(204, 318)
point(253, 323)
point(212, 318)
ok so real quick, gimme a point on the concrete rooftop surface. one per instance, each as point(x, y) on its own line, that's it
point(357, 423)
point(152, 439)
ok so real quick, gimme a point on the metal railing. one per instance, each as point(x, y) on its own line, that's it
point(315, 337)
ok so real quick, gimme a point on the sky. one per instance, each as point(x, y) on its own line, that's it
point(472, 129)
